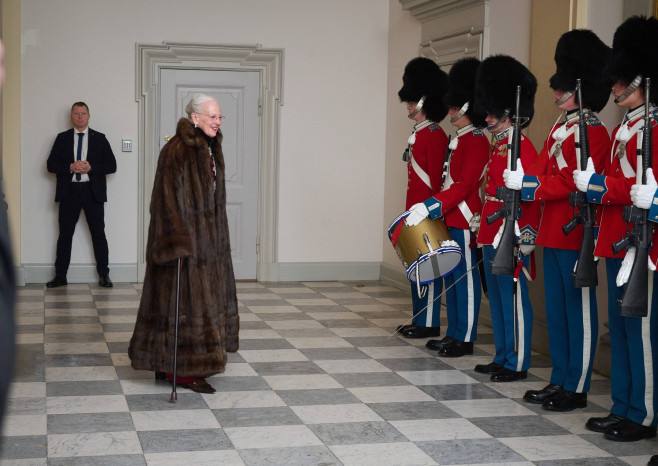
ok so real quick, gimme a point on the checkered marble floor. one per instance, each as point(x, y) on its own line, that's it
point(319, 380)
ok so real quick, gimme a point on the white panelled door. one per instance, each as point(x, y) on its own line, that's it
point(238, 95)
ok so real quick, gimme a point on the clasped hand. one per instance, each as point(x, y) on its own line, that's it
point(80, 166)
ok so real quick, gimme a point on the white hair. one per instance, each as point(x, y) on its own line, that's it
point(194, 105)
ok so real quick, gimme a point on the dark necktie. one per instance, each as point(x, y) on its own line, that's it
point(78, 176)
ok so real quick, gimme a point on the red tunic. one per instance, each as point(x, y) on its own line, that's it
point(429, 151)
point(529, 220)
point(555, 184)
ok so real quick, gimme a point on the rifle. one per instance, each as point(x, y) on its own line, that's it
point(505, 259)
point(585, 274)
point(635, 301)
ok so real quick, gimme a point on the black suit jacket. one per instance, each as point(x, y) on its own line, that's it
point(99, 155)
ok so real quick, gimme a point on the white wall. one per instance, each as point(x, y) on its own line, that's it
point(509, 29)
point(333, 121)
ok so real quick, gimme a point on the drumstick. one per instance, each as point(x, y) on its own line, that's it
point(438, 297)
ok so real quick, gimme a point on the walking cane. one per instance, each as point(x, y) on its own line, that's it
point(174, 395)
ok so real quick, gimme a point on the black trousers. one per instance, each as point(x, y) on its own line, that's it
point(80, 198)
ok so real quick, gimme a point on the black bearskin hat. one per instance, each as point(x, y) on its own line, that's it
point(495, 88)
point(423, 77)
point(634, 53)
point(581, 54)
point(461, 88)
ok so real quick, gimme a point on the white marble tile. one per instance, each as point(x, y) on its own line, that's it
point(325, 284)
point(114, 291)
point(438, 429)
point(381, 454)
point(144, 387)
point(86, 404)
point(338, 315)
point(466, 363)
point(66, 374)
point(249, 317)
point(120, 359)
point(369, 308)
point(311, 302)
point(260, 334)
point(442, 377)
point(75, 348)
point(71, 312)
point(68, 298)
point(294, 290)
point(27, 390)
point(489, 349)
point(301, 382)
point(273, 309)
point(351, 366)
point(114, 337)
point(29, 338)
point(401, 394)
point(636, 460)
point(272, 355)
point(117, 304)
point(377, 289)
point(331, 414)
point(272, 437)
point(246, 285)
point(516, 389)
point(25, 462)
point(94, 444)
point(360, 332)
point(488, 408)
point(244, 399)
point(233, 369)
point(24, 424)
point(294, 324)
point(123, 319)
point(554, 447)
point(391, 323)
point(396, 301)
point(174, 419)
point(73, 328)
point(197, 458)
point(574, 422)
point(38, 320)
point(242, 296)
point(344, 295)
point(319, 342)
point(25, 292)
point(542, 372)
point(605, 401)
point(394, 352)
point(31, 305)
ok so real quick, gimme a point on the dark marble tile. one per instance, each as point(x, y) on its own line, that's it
point(319, 354)
point(264, 302)
point(518, 426)
point(486, 451)
point(334, 396)
point(254, 325)
point(350, 433)
point(95, 422)
point(118, 346)
point(109, 460)
point(473, 391)
point(249, 417)
point(370, 379)
point(20, 447)
point(369, 342)
point(321, 308)
point(104, 298)
point(296, 456)
point(71, 319)
point(127, 327)
point(67, 291)
point(223, 383)
point(583, 462)
point(29, 299)
point(116, 312)
point(73, 337)
point(346, 323)
point(278, 316)
point(29, 364)
point(69, 304)
point(351, 301)
point(26, 406)
point(415, 364)
point(412, 410)
point(186, 400)
point(306, 333)
point(21, 329)
point(84, 388)
point(642, 447)
point(286, 368)
point(184, 440)
point(600, 387)
point(78, 360)
point(254, 344)
point(289, 295)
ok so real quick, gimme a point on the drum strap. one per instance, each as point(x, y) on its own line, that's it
point(425, 178)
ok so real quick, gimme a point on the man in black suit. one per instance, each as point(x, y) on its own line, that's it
point(81, 157)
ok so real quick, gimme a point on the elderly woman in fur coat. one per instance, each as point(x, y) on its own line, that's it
point(188, 221)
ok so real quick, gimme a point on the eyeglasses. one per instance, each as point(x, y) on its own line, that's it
point(212, 117)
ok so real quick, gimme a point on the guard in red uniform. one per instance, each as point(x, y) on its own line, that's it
point(495, 94)
point(424, 85)
point(571, 312)
point(632, 339)
point(457, 202)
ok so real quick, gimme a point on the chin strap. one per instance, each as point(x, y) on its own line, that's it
point(567, 95)
point(630, 89)
point(501, 119)
point(460, 113)
point(419, 106)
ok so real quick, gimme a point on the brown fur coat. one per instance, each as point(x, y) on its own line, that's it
point(188, 221)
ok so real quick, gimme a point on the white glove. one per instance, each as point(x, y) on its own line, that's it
point(448, 243)
point(626, 266)
point(652, 266)
point(581, 178)
point(526, 249)
point(642, 194)
point(474, 222)
point(417, 214)
point(499, 234)
point(514, 179)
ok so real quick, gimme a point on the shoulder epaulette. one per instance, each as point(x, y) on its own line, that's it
point(433, 127)
point(593, 120)
point(478, 132)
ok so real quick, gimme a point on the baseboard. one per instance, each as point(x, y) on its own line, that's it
point(78, 273)
point(394, 276)
point(327, 271)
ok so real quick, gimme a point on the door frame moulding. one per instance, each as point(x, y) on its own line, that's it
point(150, 59)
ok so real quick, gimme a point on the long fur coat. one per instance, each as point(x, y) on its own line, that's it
point(188, 220)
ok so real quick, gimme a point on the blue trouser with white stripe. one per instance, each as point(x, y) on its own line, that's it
point(427, 309)
point(633, 349)
point(463, 299)
point(500, 289)
point(572, 321)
